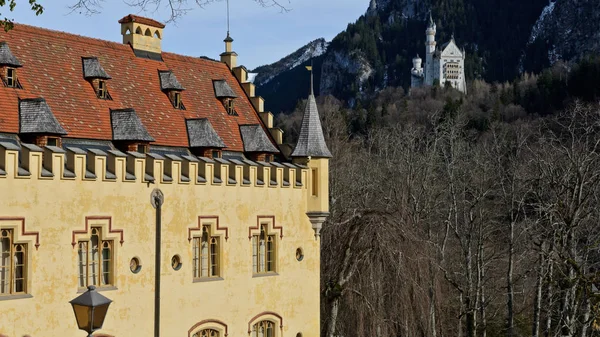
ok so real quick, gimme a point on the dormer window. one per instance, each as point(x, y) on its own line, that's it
point(53, 141)
point(176, 100)
point(95, 74)
point(226, 95)
point(142, 148)
point(11, 78)
point(102, 91)
point(230, 107)
point(171, 86)
point(8, 67)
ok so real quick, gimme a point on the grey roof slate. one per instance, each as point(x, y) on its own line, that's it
point(168, 81)
point(93, 69)
point(256, 140)
point(9, 146)
point(35, 116)
point(6, 56)
point(311, 142)
point(126, 125)
point(223, 90)
point(202, 134)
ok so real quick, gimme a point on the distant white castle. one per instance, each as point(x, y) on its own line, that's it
point(446, 65)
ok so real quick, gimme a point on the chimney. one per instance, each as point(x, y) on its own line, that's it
point(229, 57)
point(143, 34)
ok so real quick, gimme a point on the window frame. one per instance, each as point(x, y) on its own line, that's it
point(264, 259)
point(267, 324)
point(176, 100)
point(102, 90)
point(11, 80)
point(208, 330)
point(12, 267)
point(212, 256)
point(100, 262)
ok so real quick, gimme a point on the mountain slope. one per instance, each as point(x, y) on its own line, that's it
point(311, 50)
point(566, 30)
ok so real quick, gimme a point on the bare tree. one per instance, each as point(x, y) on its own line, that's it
point(177, 8)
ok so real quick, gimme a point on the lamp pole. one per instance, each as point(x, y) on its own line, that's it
point(156, 199)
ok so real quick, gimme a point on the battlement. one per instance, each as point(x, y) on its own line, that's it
point(75, 164)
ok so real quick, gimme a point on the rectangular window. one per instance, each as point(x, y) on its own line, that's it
point(315, 183)
point(13, 264)
point(263, 252)
point(176, 100)
point(206, 254)
point(11, 77)
point(51, 141)
point(102, 90)
point(95, 264)
point(142, 148)
point(230, 107)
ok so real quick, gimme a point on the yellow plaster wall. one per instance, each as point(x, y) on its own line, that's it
point(55, 207)
point(149, 43)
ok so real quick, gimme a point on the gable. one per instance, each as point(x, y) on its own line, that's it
point(451, 50)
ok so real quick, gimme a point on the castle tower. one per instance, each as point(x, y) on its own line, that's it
point(430, 45)
point(311, 150)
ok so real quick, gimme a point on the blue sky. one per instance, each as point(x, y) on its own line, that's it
point(262, 35)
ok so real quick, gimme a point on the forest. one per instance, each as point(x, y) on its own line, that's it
point(457, 215)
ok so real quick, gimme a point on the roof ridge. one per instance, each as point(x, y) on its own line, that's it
point(52, 33)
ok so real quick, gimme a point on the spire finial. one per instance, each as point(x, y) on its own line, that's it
point(430, 19)
point(310, 68)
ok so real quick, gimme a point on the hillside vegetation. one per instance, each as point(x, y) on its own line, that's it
point(458, 215)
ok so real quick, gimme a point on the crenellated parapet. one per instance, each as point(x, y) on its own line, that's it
point(83, 165)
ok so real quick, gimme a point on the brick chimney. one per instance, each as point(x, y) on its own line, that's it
point(143, 34)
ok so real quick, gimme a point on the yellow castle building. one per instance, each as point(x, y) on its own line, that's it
point(160, 180)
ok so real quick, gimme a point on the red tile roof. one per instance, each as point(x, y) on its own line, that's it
point(52, 69)
point(142, 20)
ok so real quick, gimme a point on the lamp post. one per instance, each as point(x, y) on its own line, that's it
point(90, 309)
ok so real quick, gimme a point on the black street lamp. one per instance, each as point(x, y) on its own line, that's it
point(90, 310)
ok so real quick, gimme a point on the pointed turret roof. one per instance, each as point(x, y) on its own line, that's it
point(311, 142)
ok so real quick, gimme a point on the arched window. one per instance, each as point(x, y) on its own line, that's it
point(208, 328)
point(148, 32)
point(207, 333)
point(12, 264)
point(138, 31)
point(263, 329)
point(95, 265)
point(157, 34)
point(206, 254)
point(263, 251)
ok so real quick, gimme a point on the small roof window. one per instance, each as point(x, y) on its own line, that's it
point(7, 58)
point(92, 69)
point(223, 90)
point(168, 81)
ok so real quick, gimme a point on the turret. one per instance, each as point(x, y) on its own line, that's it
point(430, 32)
point(229, 56)
point(311, 150)
point(417, 64)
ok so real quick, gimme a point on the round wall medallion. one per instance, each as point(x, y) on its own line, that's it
point(135, 265)
point(157, 198)
point(299, 254)
point(176, 262)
